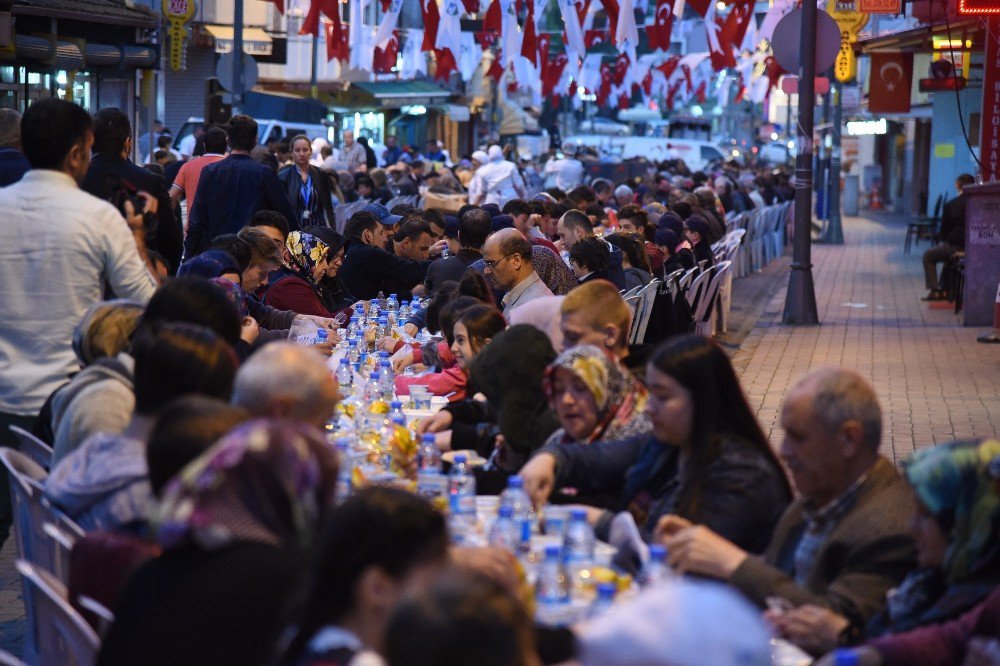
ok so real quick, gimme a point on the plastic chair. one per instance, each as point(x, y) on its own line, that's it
point(640, 322)
point(705, 309)
point(64, 637)
point(32, 447)
point(696, 289)
point(7, 659)
point(62, 545)
point(923, 228)
point(685, 280)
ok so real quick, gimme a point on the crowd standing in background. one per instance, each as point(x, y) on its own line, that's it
point(220, 359)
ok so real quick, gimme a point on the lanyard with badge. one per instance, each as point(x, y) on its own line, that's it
point(306, 191)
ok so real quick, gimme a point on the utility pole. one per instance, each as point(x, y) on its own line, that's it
point(237, 57)
point(834, 230)
point(313, 77)
point(800, 301)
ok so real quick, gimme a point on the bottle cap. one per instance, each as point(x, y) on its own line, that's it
point(578, 514)
point(460, 460)
point(506, 511)
point(428, 438)
point(515, 482)
point(395, 404)
point(552, 551)
point(658, 552)
point(606, 590)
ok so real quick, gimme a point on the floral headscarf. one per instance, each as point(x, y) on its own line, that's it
point(267, 481)
point(234, 294)
point(306, 251)
point(954, 483)
point(620, 399)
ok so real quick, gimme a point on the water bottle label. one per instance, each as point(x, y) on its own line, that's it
point(463, 504)
point(432, 484)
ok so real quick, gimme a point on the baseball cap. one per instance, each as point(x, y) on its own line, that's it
point(450, 226)
point(502, 222)
point(382, 213)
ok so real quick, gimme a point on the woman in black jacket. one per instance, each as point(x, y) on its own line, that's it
point(307, 187)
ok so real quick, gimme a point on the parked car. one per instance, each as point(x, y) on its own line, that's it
point(776, 152)
point(697, 155)
point(602, 125)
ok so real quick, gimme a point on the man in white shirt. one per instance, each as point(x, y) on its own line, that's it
point(188, 143)
point(499, 181)
point(353, 153)
point(59, 246)
point(567, 172)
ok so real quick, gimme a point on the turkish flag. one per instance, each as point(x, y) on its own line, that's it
point(544, 40)
point(279, 5)
point(890, 79)
point(553, 72)
point(337, 40)
point(432, 17)
point(385, 59)
point(529, 40)
point(310, 26)
point(605, 90)
point(700, 93)
point(700, 6)
point(621, 68)
point(592, 38)
point(486, 39)
point(581, 10)
point(624, 101)
point(647, 84)
point(385, 5)
point(612, 10)
point(471, 6)
point(445, 63)
point(673, 93)
point(492, 22)
point(669, 66)
point(496, 69)
point(659, 32)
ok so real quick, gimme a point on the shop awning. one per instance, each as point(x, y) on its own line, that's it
point(392, 94)
point(255, 40)
point(108, 12)
point(921, 40)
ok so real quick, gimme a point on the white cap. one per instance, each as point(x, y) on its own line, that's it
point(480, 156)
point(678, 623)
point(495, 153)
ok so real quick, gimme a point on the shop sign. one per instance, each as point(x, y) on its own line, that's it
point(399, 102)
point(178, 13)
point(978, 7)
point(849, 20)
point(989, 145)
point(879, 6)
point(850, 98)
point(867, 127)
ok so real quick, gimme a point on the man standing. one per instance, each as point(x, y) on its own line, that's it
point(233, 189)
point(507, 257)
point(188, 143)
point(111, 176)
point(951, 239)
point(186, 183)
point(59, 246)
point(146, 145)
point(566, 171)
point(845, 542)
point(368, 266)
point(13, 163)
point(353, 154)
point(496, 182)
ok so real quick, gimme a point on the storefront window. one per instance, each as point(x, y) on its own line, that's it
point(369, 124)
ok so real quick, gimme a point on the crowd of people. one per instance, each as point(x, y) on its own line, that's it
point(190, 433)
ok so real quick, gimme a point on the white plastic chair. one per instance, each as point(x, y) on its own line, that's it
point(7, 659)
point(698, 285)
point(64, 637)
point(61, 543)
point(32, 447)
point(704, 310)
point(647, 298)
point(685, 280)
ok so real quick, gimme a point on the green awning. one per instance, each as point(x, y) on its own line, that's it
point(392, 94)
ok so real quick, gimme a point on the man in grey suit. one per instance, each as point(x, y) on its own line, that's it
point(845, 541)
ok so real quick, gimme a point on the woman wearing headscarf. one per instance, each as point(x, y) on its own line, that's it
point(72, 413)
point(594, 397)
point(307, 187)
point(346, 181)
point(299, 284)
point(957, 532)
point(236, 527)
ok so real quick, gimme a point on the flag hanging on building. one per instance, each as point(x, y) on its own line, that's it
point(890, 79)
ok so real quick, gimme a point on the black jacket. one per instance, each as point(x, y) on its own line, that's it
point(367, 268)
point(169, 238)
point(953, 222)
point(450, 268)
point(292, 182)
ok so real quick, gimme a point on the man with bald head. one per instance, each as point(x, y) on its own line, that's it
point(845, 541)
point(287, 381)
point(507, 257)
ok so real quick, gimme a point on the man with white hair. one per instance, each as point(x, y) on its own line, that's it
point(499, 180)
point(287, 381)
point(353, 153)
point(624, 195)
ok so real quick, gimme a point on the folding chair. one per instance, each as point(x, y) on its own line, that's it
point(64, 637)
point(705, 310)
point(32, 447)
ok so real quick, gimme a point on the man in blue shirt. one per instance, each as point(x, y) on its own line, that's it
point(13, 163)
point(232, 190)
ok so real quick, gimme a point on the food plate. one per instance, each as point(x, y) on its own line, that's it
point(472, 458)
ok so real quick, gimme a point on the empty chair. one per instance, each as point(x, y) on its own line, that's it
point(63, 636)
point(32, 447)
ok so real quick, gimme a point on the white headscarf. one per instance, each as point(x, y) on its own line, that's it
point(495, 154)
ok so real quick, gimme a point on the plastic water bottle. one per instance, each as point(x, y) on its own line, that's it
point(404, 312)
point(506, 533)
point(321, 336)
point(345, 470)
point(353, 350)
point(373, 392)
point(396, 412)
point(518, 500)
point(656, 568)
point(345, 377)
point(392, 304)
point(605, 601)
point(578, 544)
point(381, 301)
point(429, 457)
point(352, 328)
point(445, 252)
point(846, 657)
point(462, 493)
point(387, 380)
point(552, 587)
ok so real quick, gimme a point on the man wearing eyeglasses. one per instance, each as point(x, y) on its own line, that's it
point(507, 257)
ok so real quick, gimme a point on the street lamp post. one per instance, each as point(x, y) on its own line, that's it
point(800, 301)
point(237, 57)
point(834, 229)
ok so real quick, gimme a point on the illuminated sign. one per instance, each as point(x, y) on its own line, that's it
point(978, 7)
point(866, 127)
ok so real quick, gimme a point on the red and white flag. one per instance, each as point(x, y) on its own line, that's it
point(663, 21)
point(337, 40)
point(626, 33)
point(385, 57)
point(432, 18)
point(574, 33)
point(449, 34)
point(388, 24)
point(331, 8)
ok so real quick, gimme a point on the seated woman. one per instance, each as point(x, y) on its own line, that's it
point(515, 417)
point(707, 460)
point(473, 329)
point(696, 231)
point(297, 285)
point(677, 255)
point(378, 545)
point(236, 527)
point(957, 532)
point(635, 261)
point(100, 340)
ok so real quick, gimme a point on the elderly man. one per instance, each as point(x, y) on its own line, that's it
point(507, 257)
point(353, 154)
point(287, 381)
point(845, 542)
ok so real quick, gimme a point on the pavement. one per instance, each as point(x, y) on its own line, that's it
point(936, 383)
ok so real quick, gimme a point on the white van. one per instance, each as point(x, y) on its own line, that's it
point(697, 155)
point(267, 130)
